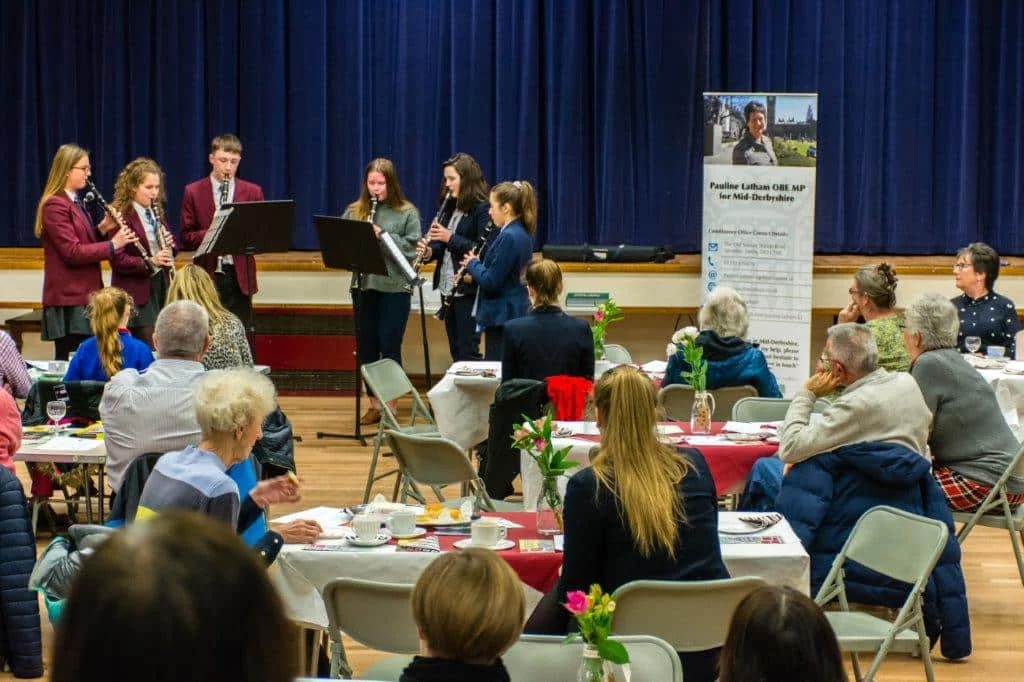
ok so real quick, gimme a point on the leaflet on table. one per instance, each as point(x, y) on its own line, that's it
point(67, 444)
point(530, 546)
point(327, 517)
point(751, 540)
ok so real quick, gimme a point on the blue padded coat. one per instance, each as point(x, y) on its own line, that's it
point(20, 642)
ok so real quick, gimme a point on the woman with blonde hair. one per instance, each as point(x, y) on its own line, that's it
point(139, 196)
point(228, 345)
point(112, 347)
point(72, 249)
point(873, 297)
point(643, 511)
point(469, 609)
point(382, 301)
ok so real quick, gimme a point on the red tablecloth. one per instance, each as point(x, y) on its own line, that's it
point(539, 570)
point(729, 464)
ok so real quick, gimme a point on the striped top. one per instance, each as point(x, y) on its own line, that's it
point(192, 480)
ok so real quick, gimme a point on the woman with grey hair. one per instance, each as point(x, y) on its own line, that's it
point(732, 360)
point(873, 297)
point(230, 407)
point(971, 443)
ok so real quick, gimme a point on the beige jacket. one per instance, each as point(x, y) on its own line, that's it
point(881, 406)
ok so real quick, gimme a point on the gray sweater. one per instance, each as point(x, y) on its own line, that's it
point(404, 228)
point(969, 434)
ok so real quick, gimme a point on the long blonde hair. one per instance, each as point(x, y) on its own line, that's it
point(192, 283)
point(641, 472)
point(106, 310)
point(129, 179)
point(67, 156)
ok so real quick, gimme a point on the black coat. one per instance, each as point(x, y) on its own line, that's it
point(20, 641)
point(464, 239)
point(547, 342)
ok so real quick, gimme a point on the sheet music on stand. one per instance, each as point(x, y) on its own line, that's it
point(396, 256)
point(212, 234)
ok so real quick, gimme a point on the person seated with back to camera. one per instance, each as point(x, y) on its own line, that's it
point(971, 443)
point(644, 510)
point(111, 348)
point(547, 341)
point(732, 360)
point(469, 610)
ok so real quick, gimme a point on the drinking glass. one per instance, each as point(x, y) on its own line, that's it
point(55, 410)
point(973, 344)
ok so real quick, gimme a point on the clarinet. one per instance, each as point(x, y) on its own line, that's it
point(94, 193)
point(357, 280)
point(224, 187)
point(161, 239)
point(446, 299)
point(418, 261)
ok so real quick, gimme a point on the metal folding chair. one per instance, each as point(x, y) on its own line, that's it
point(677, 400)
point(548, 658)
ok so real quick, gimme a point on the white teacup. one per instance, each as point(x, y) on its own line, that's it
point(402, 522)
point(486, 532)
point(366, 527)
point(995, 351)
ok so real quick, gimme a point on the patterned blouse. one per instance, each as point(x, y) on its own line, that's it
point(993, 317)
point(228, 348)
point(892, 351)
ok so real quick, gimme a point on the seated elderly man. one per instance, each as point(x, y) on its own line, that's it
point(971, 443)
point(152, 411)
point(732, 361)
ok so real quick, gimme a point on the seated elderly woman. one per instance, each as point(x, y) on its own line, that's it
point(970, 440)
point(177, 597)
point(983, 313)
point(230, 407)
point(469, 609)
point(732, 361)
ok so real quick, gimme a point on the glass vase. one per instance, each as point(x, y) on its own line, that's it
point(593, 668)
point(700, 413)
point(549, 508)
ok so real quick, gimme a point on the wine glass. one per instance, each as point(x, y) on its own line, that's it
point(55, 410)
point(972, 343)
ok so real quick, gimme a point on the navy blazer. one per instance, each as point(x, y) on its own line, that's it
point(502, 296)
point(546, 343)
point(462, 241)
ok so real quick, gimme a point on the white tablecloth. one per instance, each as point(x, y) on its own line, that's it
point(300, 575)
point(1009, 390)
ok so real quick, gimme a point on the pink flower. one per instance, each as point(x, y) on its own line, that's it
point(539, 444)
point(599, 315)
point(577, 602)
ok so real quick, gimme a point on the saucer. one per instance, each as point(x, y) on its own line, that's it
point(502, 545)
point(418, 533)
point(381, 539)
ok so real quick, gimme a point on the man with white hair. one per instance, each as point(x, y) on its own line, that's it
point(153, 412)
point(875, 405)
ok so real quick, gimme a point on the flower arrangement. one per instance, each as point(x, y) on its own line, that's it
point(685, 341)
point(535, 438)
point(605, 314)
point(593, 613)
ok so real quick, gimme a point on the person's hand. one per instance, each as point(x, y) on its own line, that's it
point(470, 256)
point(438, 233)
point(123, 237)
point(423, 249)
point(377, 231)
point(821, 383)
point(786, 468)
point(168, 238)
point(275, 491)
point(298, 532)
point(162, 259)
point(467, 278)
point(851, 313)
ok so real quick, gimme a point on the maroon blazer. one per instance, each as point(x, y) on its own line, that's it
point(197, 209)
point(72, 251)
point(130, 271)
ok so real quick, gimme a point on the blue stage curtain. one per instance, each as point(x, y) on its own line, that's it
point(597, 102)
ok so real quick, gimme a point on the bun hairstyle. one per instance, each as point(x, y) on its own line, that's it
point(522, 199)
point(878, 283)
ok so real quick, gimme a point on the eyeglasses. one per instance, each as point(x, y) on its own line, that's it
point(87, 169)
point(962, 266)
point(853, 292)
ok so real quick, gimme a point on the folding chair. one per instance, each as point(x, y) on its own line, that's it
point(689, 615)
point(754, 409)
point(543, 657)
point(388, 383)
point(995, 501)
point(375, 614)
point(920, 541)
point(677, 399)
point(613, 352)
point(436, 462)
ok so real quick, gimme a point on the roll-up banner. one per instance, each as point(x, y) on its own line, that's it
point(760, 151)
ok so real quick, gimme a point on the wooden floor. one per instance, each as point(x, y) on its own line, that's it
point(334, 472)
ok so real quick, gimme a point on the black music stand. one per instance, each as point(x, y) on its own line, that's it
point(248, 228)
point(350, 245)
